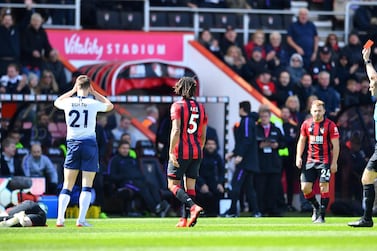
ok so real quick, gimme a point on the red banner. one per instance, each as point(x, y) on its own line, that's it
point(117, 45)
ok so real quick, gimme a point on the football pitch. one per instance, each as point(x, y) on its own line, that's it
point(244, 233)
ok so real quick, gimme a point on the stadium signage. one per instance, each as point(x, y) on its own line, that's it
point(117, 45)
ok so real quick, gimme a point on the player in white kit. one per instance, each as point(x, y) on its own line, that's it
point(82, 151)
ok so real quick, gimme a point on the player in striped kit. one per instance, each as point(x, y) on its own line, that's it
point(322, 137)
point(187, 138)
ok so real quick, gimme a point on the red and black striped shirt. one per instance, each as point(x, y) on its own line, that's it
point(319, 136)
point(193, 118)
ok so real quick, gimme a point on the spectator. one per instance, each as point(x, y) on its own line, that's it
point(276, 53)
point(13, 82)
point(309, 102)
point(236, 61)
point(268, 181)
point(229, 38)
point(293, 104)
point(304, 89)
point(266, 86)
point(37, 164)
point(127, 137)
point(296, 68)
point(10, 47)
point(344, 70)
point(210, 182)
point(350, 96)
point(333, 44)
point(284, 88)
point(327, 94)
point(151, 120)
point(10, 164)
point(212, 134)
point(21, 141)
point(352, 50)
point(365, 98)
point(48, 84)
point(40, 132)
point(324, 63)
point(256, 64)
point(257, 41)
point(125, 173)
point(54, 65)
point(210, 43)
point(303, 38)
point(124, 127)
point(33, 81)
point(35, 46)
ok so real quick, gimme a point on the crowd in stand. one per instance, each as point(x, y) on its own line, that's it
point(290, 71)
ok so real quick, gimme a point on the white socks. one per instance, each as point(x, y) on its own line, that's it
point(62, 206)
point(84, 203)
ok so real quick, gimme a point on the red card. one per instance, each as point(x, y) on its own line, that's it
point(368, 44)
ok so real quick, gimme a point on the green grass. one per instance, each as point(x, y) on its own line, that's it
point(244, 233)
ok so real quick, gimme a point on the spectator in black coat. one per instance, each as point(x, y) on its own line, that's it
point(350, 96)
point(210, 183)
point(284, 88)
point(10, 47)
point(35, 46)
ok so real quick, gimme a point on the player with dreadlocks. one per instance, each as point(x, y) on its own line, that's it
point(187, 138)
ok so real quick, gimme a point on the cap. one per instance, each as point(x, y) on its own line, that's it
point(325, 50)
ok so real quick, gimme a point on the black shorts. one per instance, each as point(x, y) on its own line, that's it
point(372, 163)
point(318, 170)
point(190, 168)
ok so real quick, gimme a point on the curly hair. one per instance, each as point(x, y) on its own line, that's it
point(185, 87)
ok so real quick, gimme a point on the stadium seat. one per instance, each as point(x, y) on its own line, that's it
point(223, 20)
point(272, 22)
point(108, 19)
point(131, 20)
point(287, 20)
point(158, 19)
point(205, 20)
point(254, 21)
point(179, 19)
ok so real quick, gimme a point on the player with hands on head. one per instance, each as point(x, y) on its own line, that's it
point(322, 137)
point(370, 172)
point(82, 149)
